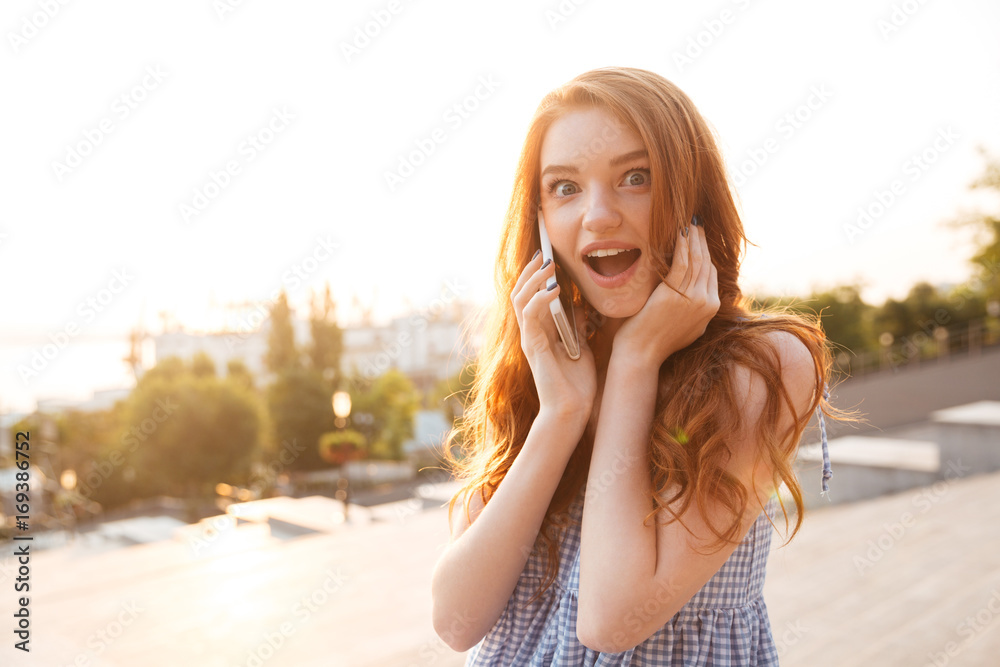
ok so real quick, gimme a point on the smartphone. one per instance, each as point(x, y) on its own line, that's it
point(566, 326)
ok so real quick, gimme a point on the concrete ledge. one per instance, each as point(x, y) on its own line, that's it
point(866, 467)
point(970, 435)
point(982, 413)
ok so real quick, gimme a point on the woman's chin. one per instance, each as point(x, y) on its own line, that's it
point(617, 309)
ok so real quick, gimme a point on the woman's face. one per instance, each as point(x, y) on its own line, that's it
point(595, 194)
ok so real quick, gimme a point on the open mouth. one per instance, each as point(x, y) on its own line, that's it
point(611, 262)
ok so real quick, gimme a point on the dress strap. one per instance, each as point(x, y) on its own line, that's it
point(827, 470)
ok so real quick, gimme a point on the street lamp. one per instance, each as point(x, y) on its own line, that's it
point(342, 410)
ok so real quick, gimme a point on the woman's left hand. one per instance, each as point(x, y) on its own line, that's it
point(671, 320)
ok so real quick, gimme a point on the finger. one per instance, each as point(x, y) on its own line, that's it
point(526, 272)
point(539, 331)
point(696, 242)
point(534, 282)
point(713, 288)
point(700, 281)
point(679, 265)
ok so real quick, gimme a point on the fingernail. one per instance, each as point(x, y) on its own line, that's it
point(684, 231)
point(546, 263)
point(695, 221)
point(551, 287)
point(537, 253)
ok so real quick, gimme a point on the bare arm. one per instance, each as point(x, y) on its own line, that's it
point(475, 577)
point(477, 574)
point(626, 565)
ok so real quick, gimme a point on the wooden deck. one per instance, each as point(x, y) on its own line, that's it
point(909, 579)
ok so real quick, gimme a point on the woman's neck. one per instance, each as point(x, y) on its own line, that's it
point(601, 346)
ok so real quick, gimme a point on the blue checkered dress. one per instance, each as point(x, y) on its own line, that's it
point(724, 625)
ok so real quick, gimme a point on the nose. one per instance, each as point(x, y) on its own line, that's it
point(601, 213)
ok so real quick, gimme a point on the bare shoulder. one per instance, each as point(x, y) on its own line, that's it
point(798, 374)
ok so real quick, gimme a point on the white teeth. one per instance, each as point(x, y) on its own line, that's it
point(606, 252)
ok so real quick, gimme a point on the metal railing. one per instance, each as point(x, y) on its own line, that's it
point(939, 345)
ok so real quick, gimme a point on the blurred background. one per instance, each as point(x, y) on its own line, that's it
point(244, 247)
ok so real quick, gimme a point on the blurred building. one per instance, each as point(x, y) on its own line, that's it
point(102, 399)
point(427, 345)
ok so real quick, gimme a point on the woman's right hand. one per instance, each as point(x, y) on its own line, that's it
point(566, 387)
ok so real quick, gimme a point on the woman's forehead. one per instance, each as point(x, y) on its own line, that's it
point(587, 134)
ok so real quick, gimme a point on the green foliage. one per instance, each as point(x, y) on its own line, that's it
point(452, 394)
point(383, 410)
point(281, 351)
point(987, 257)
point(180, 431)
point(202, 366)
point(299, 401)
point(340, 446)
point(183, 434)
point(239, 374)
point(327, 338)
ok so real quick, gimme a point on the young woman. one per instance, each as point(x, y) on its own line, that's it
point(619, 507)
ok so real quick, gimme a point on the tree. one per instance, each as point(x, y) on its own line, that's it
point(281, 351)
point(182, 433)
point(987, 257)
point(202, 365)
point(451, 395)
point(238, 373)
point(846, 318)
point(299, 402)
point(327, 338)
point(383, 410)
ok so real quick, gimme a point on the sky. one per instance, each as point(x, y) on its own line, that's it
point(178, 157)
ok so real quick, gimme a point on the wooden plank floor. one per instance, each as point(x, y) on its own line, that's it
point(908, 579)
point(885, 582)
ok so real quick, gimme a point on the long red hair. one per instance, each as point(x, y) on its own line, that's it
point(697, 410)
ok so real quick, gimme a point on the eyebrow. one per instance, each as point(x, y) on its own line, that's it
point(615, 162)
